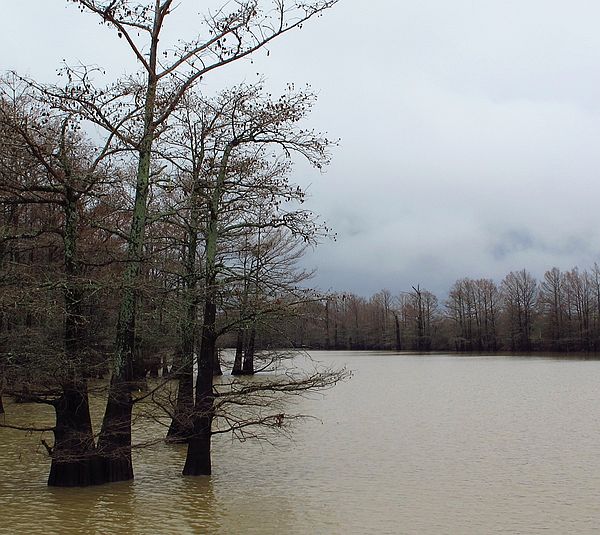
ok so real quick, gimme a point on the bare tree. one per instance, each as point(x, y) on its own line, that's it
point(424, 308)
point(578, 290)
point(595, 282)
point(472, 305)
point(64, 173)
point(235, 175)
point(136, 110)
point(552, 299)
point(230, 158)
point(519, 293)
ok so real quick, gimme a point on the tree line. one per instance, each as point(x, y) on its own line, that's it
point(560, 312)
point(144, 224)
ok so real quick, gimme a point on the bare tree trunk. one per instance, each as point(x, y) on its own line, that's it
point(398, 337)
point(74, 459)
point(115, 436)
point(114, 444)
point(181, 424)
point(217, 371)
point(183, 370)
point(165, 367)
point(239, 352)
point(248, 367)
point(198, 459)
point(327, 338)
point(154, 367)
point(241, 334)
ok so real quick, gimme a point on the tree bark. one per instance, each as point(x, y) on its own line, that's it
point(198, 460)
point(327, 337)
point(398, 337)
point(248, 366)
point(74, 459)
point(239, 352)
point(115, 435)
point(181, 424)
point(217, 371)
point(114, 444)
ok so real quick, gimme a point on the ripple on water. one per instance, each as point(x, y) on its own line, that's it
point(412, 444)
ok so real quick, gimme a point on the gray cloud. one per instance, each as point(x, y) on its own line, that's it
point(469, 130)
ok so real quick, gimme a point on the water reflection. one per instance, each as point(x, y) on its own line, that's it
point(95, 510)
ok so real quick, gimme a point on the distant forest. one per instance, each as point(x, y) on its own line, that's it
point(561, 312)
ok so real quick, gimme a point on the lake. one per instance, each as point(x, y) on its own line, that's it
point(411, 444)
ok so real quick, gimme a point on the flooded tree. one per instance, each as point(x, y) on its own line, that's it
point(48, 164)
point(239, 181)
point(271, 294)
point(227, 190)
point(136, 110)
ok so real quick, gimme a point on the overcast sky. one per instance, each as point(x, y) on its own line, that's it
point(470, 130)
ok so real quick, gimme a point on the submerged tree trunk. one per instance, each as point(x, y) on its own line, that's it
point(327, 338)
point(165, 367)
point(1, 388)
point(154, 367)
point(217, 371)
point(248, 366)
point(115, 436)
point(398, 337)
point(239, 352)
point(114, 444)
point(241, 333)
point(198, 460)
point(181, 424)
point(74, 459)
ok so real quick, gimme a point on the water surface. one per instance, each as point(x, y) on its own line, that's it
point(411, 444)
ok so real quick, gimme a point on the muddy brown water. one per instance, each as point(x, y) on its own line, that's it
point(411, 444)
